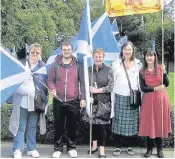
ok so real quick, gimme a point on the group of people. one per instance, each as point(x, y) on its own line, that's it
point(110, 100)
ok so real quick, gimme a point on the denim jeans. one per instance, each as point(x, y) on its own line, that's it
point(27, 123)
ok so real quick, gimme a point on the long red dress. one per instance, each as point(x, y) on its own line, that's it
point(155, 109)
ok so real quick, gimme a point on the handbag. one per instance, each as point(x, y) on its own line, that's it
point(103, 111)
point(135, 95)
point(39, 100)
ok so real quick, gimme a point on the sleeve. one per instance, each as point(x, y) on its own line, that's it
point(165, 80)
point(143, 86)
point(165, 77)
point(81, 81)
point(51, 78)
point(110, 84)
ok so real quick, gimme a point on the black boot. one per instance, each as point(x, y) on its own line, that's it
point(150, 145)
point(148, 153)
point(160, 153)
point(159, 145)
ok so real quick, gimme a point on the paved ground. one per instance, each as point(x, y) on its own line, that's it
point(47, 150)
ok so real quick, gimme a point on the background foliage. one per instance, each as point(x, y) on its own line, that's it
point(82, 131)
point(49, 21)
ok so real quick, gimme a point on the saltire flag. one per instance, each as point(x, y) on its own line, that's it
point(84, 49)
point(154, 45)
point(115, 29)
point(129, 7)
point(12, 74)
point(122, 41)
point(102, 37)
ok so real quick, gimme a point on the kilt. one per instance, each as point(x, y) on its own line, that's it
point(126, 118)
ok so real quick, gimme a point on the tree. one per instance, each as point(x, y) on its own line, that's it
point(30, 21)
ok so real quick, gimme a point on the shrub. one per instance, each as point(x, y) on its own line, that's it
point(82, 130)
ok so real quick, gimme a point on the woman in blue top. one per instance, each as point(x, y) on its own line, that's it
point(24, 118)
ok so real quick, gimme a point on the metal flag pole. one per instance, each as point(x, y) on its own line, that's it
point(90, 43)
point(45, 86)
point(162, 62)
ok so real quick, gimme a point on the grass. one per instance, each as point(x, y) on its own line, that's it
point(171, 87)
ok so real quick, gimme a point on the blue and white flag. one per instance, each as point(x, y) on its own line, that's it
point(122, 41)
point(115, 29)
point(103, 37)
point(154, 45)
point(12, 75)
point(84, 49)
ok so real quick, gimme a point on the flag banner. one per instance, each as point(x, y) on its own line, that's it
point(115, 29)
point(154, 45)
point(84, 48)
point(129, 7)
point(122, 41)
point(12, 74)
point(102, 37)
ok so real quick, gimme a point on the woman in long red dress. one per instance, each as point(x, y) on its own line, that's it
point(155, 122)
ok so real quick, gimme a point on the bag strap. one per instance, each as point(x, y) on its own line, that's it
point(56, 67)
point(36, 87)
point(129, 83)
point(78, 70)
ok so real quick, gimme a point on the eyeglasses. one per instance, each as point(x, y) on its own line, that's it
point(64, 50)
point(35, 53)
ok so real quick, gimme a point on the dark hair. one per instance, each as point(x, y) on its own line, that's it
point(124, 45)
point(145, 64)
point(65, 43)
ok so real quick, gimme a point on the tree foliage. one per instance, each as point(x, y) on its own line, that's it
point(30, 21)
point(47, 21)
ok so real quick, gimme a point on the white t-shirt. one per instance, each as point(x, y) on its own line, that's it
point(26, 88)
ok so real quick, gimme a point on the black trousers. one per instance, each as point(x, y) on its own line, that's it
point(65, 116)
point(123, 141)
point(158, 142)
point(99, 133)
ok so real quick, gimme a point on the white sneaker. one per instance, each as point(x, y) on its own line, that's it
point(17, 154)
point(72, 153)
point(34, 153)
point(57, 154)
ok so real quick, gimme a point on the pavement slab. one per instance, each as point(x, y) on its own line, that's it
point(47, 150)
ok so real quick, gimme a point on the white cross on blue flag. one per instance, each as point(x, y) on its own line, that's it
point(12, 75)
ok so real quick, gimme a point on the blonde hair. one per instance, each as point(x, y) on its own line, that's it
point(98, 51)
point(35, 45)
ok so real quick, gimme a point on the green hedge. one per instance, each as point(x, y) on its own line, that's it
point(82, 130)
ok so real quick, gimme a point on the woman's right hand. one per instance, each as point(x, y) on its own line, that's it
point(159, 88)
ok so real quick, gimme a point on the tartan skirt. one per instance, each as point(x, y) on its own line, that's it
point(126, 118)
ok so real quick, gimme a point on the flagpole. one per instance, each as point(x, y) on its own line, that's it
point(162, 60)
point(91, 48)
